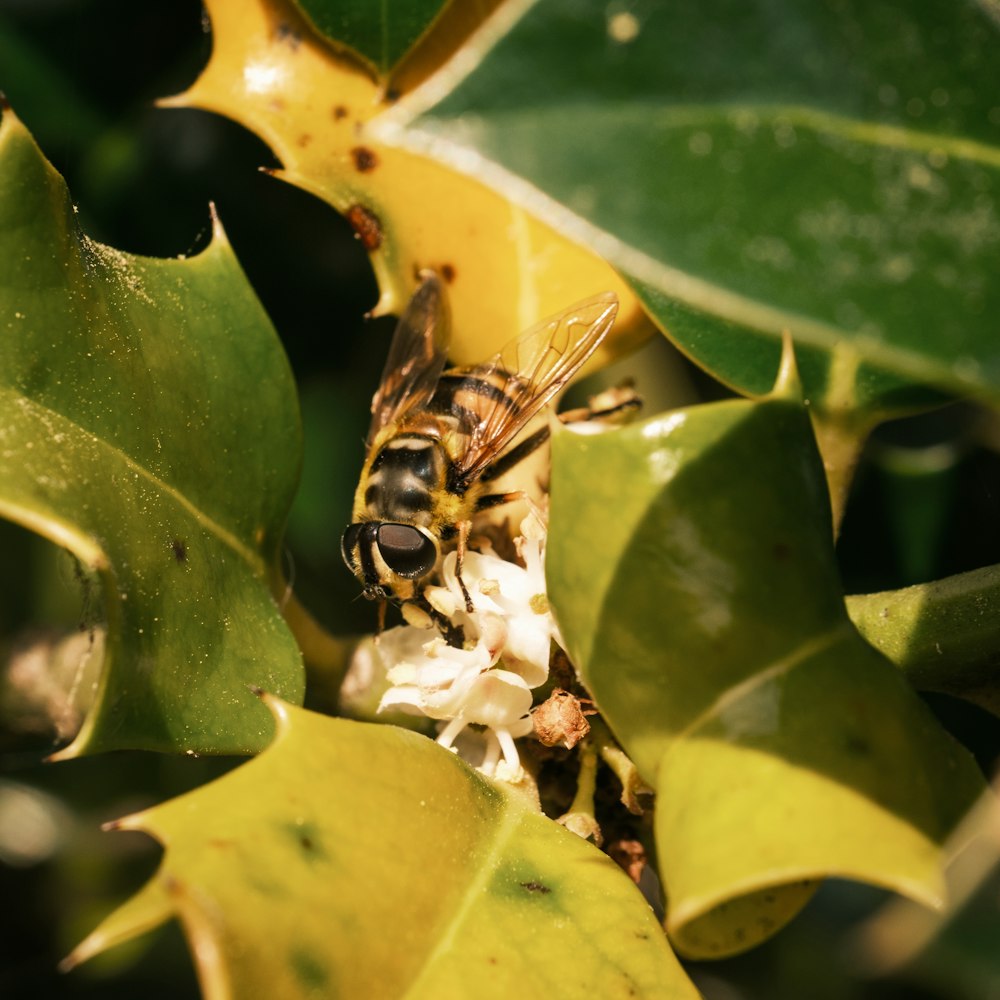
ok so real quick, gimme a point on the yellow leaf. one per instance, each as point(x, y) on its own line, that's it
point(320, 111)
point(366, 861)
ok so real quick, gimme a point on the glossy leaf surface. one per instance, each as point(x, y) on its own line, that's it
point(504, 269)
point(148, 424)
point(830, 170)
point(359, 860)
point(691, 568)
point(380, 33)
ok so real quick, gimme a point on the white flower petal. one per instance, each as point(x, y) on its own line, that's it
point(528, 647)
point(498, 699)
point(403, 673)
point(404, 697)
point(507, 644)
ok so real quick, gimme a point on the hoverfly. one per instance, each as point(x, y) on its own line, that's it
point(439, 439)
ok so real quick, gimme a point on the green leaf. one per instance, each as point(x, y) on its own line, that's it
point(691, 568)
point(366, 861)
point(148, 424)
point(380, 33)
point(830, 170)
point(943, 635)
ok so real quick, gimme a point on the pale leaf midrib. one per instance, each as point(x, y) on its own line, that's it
point(802, 653)
point(213, 527)
point(608, 117)
point(474, 894)
point(685, 287)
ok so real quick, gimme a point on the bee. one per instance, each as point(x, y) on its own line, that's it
point(441, 438)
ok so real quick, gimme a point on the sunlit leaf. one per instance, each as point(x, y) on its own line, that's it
point(944, 635)
point(148, 424)
point(828, 169)
point(366, 861)
point(317, 110)
point(691, 568)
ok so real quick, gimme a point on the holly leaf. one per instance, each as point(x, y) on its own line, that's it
point(358, 860)
point(832, 171)
point(380, 34)
point(318, 108)
point(691, 568)
point(944, 635)
point(128, 436)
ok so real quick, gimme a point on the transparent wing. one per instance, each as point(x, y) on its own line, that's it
point(530, 370)
point(416, 356)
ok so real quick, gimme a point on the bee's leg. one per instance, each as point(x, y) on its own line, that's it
point(497, 499)
point(380, 624)
point(614, 406)
point(509, 459)
point(463, 538)
point(454, 635)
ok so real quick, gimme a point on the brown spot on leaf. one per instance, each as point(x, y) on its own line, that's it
point(286, 33)
point(366, 225)
point(448, 273)
point(365, 159)
point(305, 139)
point(536, 887)
point(340, 112)
point(179, 549)
point(309, 842)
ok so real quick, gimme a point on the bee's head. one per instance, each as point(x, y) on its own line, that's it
point(387, 558)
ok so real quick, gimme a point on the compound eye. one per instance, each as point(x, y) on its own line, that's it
point(407, 552)
point(349, 542)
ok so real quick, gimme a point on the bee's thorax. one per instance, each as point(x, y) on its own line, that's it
point(405, 474)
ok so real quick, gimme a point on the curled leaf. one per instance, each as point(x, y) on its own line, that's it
point(782, 747)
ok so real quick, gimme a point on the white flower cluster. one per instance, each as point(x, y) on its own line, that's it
point(506, 652)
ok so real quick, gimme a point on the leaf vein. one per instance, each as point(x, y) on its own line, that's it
point(802, 653)
point(40, 412)
point(475, 892)
point(698, 293)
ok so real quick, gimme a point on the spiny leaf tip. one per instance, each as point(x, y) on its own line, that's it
point(787, 385)
point(218, 233)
